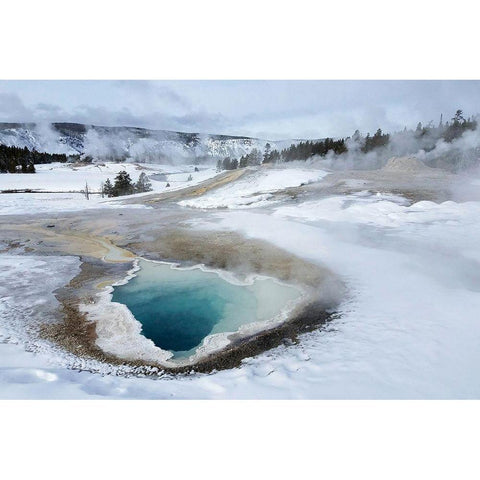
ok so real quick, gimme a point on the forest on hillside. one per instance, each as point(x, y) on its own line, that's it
point(23, 160)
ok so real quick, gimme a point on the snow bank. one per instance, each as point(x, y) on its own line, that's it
point(381, 210)
point(409, 327)
point(33, 203)
point(118, 332)
point(27, 363)
point(255, 188)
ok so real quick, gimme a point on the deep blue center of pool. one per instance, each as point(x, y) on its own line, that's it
point(176, 316)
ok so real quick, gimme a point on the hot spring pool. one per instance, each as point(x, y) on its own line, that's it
point(178, 308)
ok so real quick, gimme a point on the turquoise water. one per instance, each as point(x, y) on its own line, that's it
point(179, 308)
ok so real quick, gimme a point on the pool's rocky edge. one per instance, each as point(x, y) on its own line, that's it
point(76, 333)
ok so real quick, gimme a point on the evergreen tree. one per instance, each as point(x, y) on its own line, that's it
point(108, 188)
point(357, 136)
point(254, 157)
point(458, 118)
point(274, 156)
point(378, 140)
point(243, 161)
point(143, 184)
point(226, 163)
point(123, 184)
point(458, 126)
point(266, 155)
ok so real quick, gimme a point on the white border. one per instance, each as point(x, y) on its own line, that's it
point(214, 39)
point(249, 39)
point(240, 440)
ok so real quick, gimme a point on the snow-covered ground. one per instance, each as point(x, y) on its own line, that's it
point(255, 190)
point(26, 203)
point(65, 179)
point(381, 210)
point(409, 326)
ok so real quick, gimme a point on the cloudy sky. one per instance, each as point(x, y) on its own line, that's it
point(267, 109)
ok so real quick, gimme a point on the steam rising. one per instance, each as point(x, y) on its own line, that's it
point(456, 156)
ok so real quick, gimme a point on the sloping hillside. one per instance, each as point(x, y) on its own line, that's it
point(128, 143)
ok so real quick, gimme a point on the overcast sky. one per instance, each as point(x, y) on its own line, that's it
point(273, 109)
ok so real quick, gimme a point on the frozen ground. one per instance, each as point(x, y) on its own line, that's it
point(68, 180)
point(409, 326)
point(256, 189)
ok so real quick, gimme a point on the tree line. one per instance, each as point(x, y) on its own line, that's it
point(23, 160)
point(299, 151)
point(428, 134)
point(305, 150)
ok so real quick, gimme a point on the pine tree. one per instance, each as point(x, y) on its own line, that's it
point(123, 184)
point(255, 157)
point(226, 164)
point(458, 126)
point(266, 155)
point(458, 118)
point(143, 184)
point(357, 136)
point(108, 188)
point(243, 161)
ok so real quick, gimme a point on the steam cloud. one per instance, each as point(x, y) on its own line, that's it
point(456, 156)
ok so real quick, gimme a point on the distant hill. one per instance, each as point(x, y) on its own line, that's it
point(130, 143)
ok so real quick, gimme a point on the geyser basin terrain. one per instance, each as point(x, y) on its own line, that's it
point(179, 307)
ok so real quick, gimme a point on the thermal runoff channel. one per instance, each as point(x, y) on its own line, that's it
point(178, 308)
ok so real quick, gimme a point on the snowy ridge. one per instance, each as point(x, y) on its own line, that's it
point(129, 143)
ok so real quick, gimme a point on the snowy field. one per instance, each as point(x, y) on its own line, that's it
point(409, 326)
point(66, 179)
